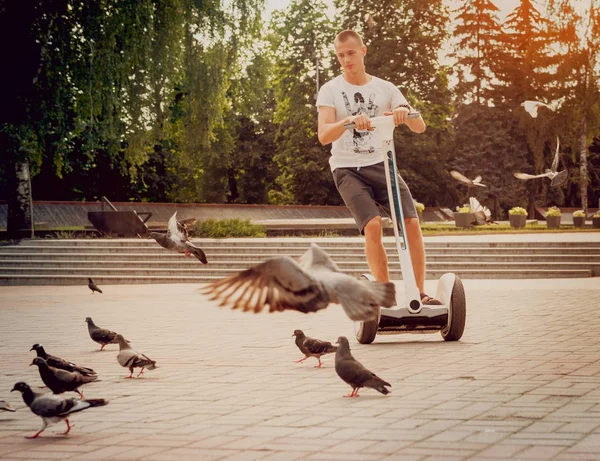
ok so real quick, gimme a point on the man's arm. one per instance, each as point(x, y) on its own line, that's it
point(400, 114)
point(330, 129)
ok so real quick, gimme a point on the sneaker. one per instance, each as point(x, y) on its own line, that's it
point(427, 300)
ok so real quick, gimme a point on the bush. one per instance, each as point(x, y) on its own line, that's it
point(597, 215)
point(419, 206)
point(517, 210)
point(553, 211)
point(213, 228)
point(463, 209)
point(579, 214)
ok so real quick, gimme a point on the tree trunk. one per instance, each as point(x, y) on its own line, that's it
point(583, 174)
point(20, 209)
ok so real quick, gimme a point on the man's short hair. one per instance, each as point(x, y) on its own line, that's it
point(347, 34)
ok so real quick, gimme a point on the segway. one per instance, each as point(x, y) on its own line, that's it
point(411, 316)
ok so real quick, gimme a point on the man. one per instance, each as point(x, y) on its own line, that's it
point(356, 156)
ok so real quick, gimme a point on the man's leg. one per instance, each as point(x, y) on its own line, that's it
point(375, 251)
point(417, 250)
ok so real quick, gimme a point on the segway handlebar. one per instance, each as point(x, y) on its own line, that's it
point(374, 120)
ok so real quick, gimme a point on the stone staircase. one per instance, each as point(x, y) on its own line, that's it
point(108, 261)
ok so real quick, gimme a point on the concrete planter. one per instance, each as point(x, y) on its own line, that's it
point(464, 220)
point(420, 214)
point(553, 222)
point(578, 221)
point(596, 223)
point(517, 220)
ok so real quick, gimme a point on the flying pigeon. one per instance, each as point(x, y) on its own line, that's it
point(312, 347)
point(464, 180)
point(59, 381)
point(130, 358)
point(176, 239)
point(57, 362)
point(101, 335)
point(305, 286)
point(53, 408)
point(482, 214)
point(556, 178)
point(6, 406)
point(354, 373)
point(531, 107)
point(92, 286)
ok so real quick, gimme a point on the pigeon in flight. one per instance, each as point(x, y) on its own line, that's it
point(464, 180)
point(177, 239)
point(130, 358)
point(312, 347)
point(556, 178)
point(531, 107)
point(5, 406)
point(92, 286)
point(482, 214)
point(53, 408)
point(354, 373)
point(59, 381)
point(101, 335)
point(305, 286)
point(57, 362)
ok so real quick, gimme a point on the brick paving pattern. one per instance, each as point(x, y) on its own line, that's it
point(523, 383)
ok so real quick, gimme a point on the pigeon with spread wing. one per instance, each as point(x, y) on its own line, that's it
point(557, 178)
point(177, 239)
point(466, 181)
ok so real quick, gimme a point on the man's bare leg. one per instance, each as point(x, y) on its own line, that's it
point(417, 250)
point(375, 251)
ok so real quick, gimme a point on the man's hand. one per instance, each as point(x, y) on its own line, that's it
point(400, 115)
point(361, 122)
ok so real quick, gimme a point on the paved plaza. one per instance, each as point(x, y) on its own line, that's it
point(523, 383)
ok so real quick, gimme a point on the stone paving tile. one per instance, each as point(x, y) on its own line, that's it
point(521, 384)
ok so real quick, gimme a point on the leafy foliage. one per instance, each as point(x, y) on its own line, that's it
point(212, 228)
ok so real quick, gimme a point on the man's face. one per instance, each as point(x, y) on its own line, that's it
point(351, 55)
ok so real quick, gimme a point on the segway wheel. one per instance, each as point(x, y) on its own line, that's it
point(365, 332)
point(457, 313)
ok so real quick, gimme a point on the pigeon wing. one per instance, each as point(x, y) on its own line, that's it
point(316, 346)
point(173, 230)
point(279, 283)
point(560, 178)
point(461, 178)
point(527, 176)
point(315, 258)
point(554, 166)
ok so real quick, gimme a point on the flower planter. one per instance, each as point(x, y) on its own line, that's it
point(553, 222)
point(464, 220)
point(596, 223)
point(578, 221)
point(517, 220)
point(420, 214)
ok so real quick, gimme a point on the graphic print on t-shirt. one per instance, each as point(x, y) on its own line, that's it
point(361, 142)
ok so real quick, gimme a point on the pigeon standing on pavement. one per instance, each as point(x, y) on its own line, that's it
point(57, 362)
point(354, 373)
point(59, 381)
point(130, 358)
point(53, 408)
point(92, 286)
point(305, 286)
point(5, 406)
point(556, 178)
point(101, 335)
point(176, 239)
point(312, 347)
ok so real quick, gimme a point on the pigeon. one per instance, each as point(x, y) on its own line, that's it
point(101, 335)
point(6, 406)
point(92, 286)
point(177, 239)
point(57, 362)
point(59, 381)
point(482, 214)
point(556, 178)
point(354, 373)
point(53, 408)
point(531, 107)
point(312, 347)
point(464, 180)
point(308, 285)
point(130, 358)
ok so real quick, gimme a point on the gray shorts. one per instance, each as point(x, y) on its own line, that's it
point(364, 192)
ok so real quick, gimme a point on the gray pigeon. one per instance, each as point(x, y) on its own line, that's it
point(308, 285)
point(312, 347)
point(5, 406)
point(101, 335)
point(59, 381)
point(177, 239)
point(92, 286)
point(354, 373)
point(53, 408)
point(130, 358)
point(57, 362)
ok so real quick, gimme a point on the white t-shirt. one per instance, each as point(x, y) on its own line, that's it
point(358, 148)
